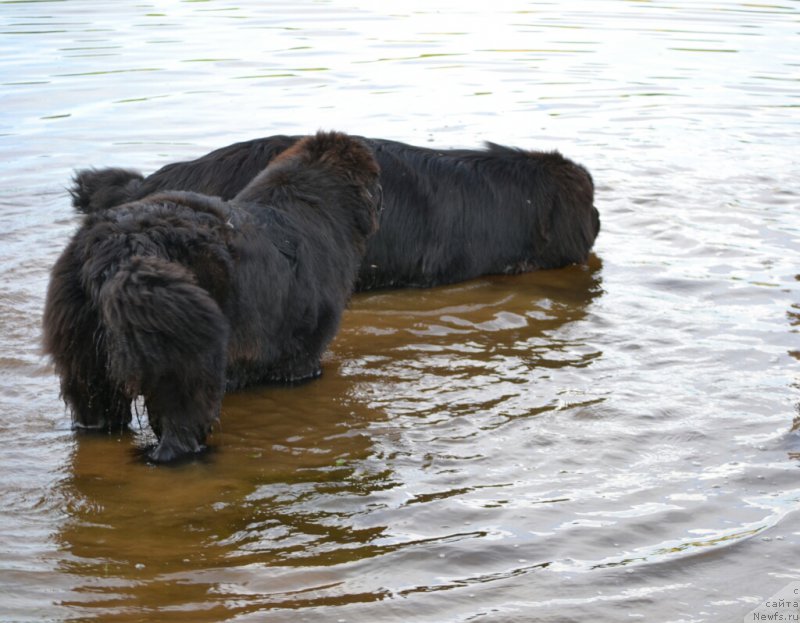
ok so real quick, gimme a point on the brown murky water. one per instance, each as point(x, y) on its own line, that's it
point(611, 442)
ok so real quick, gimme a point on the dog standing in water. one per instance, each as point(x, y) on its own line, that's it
point(450, 214)
point(178, 296)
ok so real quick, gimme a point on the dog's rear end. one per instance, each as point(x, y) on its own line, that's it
point(125, 317)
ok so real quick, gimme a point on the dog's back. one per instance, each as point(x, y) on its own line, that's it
point(455, 214)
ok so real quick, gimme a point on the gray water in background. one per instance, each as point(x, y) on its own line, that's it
point(611, 442)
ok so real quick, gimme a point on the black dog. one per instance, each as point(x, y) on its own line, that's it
point(449, 215)
point(172, 296)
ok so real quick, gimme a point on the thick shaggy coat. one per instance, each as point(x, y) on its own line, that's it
point(450, 215)
point(178, 295)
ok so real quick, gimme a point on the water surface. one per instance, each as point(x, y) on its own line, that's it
point(616, 441)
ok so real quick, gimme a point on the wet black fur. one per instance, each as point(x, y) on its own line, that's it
point(450, 215)
point(178, 296)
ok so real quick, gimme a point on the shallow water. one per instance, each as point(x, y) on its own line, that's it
point(611, 442)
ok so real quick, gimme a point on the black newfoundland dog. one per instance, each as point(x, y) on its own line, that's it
point(450, 215)
point(177, 296)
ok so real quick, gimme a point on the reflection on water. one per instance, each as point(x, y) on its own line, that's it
point(430, 349)
point(601, 443)
point(306, 483)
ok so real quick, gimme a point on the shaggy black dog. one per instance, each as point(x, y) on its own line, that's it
point(177, 295)
point(449, 215)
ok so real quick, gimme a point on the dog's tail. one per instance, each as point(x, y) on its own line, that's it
point(167, 340)
point(94, 190)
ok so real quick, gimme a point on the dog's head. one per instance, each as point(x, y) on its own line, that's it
point(329, 169)
point(350, 165)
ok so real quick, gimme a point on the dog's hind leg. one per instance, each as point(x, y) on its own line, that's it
point(167, 341)
point(75, 339)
